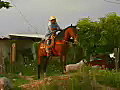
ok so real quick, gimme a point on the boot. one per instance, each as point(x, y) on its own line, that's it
point(49, 51)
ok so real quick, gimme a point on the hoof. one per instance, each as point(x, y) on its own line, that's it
point(64, 72)
point(38, 77)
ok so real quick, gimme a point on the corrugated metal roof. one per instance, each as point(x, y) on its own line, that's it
point(28, 35)
point(4, 37)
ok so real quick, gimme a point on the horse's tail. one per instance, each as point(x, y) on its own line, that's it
point(41, 49)
point(39, 53)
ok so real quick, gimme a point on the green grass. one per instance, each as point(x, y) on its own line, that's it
point(54, 68)
point(109, 78)
point(80, 80)
point(20, 81)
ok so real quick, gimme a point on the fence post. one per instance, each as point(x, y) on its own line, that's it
point(116, 52)
point(2, 64)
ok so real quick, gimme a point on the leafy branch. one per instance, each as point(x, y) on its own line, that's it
point(4, 4)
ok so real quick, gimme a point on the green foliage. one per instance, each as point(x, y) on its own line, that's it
point(89, 35)
point(110, 30)
point(54, 67)
point(27, 66)
point(4, 4)
point(101, 36)
point(75, 54)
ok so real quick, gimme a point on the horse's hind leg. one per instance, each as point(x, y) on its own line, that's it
point(45, 64)
point(63, 63)
point(39, 66)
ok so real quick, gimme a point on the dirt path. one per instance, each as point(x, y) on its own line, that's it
point(45, 81)
point(49, 80)
point(36, 84)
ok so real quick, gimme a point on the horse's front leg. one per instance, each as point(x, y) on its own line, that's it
point(46, 64)
point(63, 63)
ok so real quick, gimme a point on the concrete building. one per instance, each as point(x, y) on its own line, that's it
point(18, 47)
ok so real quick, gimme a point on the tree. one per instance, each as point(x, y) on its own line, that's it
point(102, 36)
point(4, 4)
point(89, 36)
point(110, 30)
point(111, 33)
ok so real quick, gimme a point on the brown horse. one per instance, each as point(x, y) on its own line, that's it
point(59, 47)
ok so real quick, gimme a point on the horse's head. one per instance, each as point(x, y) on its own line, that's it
point(71, 32)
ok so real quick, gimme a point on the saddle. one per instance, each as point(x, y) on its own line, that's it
point(50, 42)
point(54, 36)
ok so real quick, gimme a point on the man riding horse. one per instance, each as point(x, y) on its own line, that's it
point(53, 27)
point(55, 44)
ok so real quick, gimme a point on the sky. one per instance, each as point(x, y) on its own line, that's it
point(31, 16)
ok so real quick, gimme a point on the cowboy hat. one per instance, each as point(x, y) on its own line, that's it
point(52, 17)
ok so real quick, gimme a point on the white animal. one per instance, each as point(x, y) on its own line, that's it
point(72, 67)
point(112, 55)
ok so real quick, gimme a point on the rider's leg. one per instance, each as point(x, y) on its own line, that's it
point(48, 49)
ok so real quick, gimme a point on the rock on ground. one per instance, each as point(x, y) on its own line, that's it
point(5, 84)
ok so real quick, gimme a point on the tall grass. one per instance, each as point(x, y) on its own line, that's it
point(109, 78)
point(82, 80)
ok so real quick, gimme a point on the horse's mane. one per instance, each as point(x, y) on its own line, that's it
point(70, 27)
point(61, 34)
